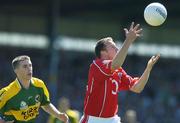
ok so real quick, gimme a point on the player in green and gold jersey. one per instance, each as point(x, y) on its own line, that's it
point(20, 101)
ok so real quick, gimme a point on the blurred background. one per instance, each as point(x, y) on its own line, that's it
point(59, 36)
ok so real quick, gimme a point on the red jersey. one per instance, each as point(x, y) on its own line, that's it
point(103, 85)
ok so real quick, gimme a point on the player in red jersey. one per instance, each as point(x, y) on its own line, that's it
point(106, 78)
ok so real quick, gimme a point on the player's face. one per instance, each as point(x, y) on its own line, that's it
point(111, 49)
point(24, 70)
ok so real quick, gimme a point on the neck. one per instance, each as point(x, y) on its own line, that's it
point(24, 82)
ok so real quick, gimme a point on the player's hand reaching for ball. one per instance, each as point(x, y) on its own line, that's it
point(153, 61)
point(133, 32)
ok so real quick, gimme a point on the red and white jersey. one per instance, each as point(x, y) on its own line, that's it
point(103, 86)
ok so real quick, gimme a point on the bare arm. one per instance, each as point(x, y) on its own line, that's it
point(52, 110)
point(2, 121)
point(145, 76)
point(131, 35)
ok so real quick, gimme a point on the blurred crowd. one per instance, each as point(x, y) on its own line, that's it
point(158, 103)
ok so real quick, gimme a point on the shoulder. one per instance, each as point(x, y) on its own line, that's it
point(9, 91)
point(104, 66)
point(118, 73)
point(101, 62)
point(37, 82)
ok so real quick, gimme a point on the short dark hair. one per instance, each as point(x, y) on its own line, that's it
point(18, 59)
point(101, 45)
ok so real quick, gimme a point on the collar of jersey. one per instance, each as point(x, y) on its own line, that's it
point(19, 83)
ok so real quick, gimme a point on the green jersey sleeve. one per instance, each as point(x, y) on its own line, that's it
point(45, 93)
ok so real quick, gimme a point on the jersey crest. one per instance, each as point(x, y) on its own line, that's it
point(23, 105)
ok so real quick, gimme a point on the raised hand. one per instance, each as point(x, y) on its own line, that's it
point(133, 32)
point(153, 61)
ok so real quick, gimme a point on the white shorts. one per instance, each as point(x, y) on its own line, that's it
point(92, 119)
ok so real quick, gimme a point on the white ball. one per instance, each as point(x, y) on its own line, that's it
point(155, 14)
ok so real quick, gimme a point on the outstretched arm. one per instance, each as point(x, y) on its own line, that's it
point(145, 76)
point(131, 35)
point(52, 110)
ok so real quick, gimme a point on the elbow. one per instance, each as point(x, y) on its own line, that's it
point(139, 90)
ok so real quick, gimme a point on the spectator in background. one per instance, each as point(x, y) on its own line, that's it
point(130, 116)
point(64, 106)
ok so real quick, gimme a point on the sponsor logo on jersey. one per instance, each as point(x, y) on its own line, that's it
point(37, 98)
point(23, 105)
point(30, 113)
point(27, 114)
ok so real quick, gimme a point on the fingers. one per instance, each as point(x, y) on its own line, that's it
point(138, 35)
point(126, 30)
point(158, 54)
point(139, 30)
point(153, 61)
point(133, 32)
point(155, 58)
point(132, 26)
point(136, 27)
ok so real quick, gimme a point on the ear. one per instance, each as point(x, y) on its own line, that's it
point(15, 71)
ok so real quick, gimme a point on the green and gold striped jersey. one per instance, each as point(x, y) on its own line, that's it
point(20, 104)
